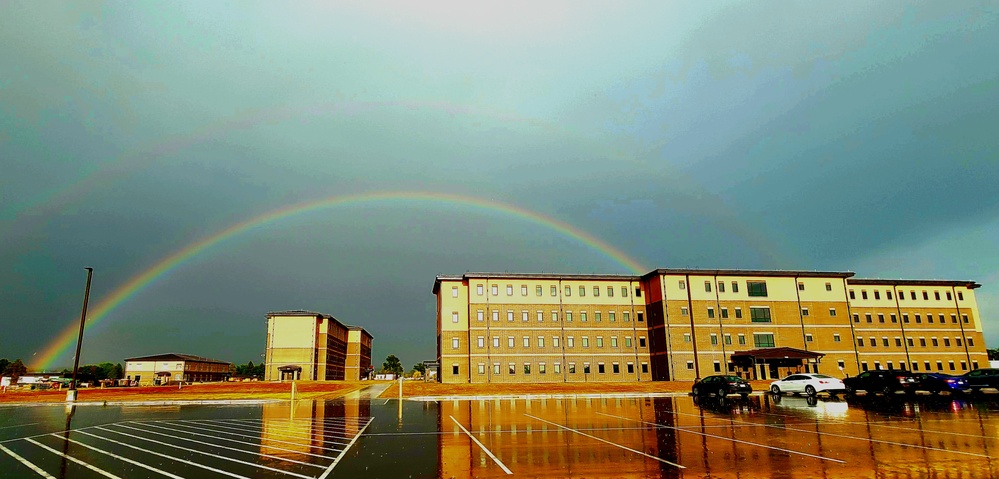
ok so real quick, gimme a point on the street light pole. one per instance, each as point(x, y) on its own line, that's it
point(71, 394)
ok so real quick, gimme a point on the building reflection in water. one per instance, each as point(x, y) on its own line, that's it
point(755, 438)
point(312, 431)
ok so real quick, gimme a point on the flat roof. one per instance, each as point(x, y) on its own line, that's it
point(913, 282)
point(177, 357)
point(751, 272)
point(361, 329)
point(549, 276)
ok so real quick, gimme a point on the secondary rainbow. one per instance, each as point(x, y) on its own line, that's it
point(63, 343)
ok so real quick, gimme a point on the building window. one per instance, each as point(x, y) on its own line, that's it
point(707, 286)
point(936, 295)
point(898, 342)
point(905, 318)
point(721, 286)
point(738, 313)
point(509, 316)
point(888, 294)
point(836, 338)
point(711, 312)
point(624, 291)
point(568, 290)
point(454, 343)
point(572, 368)
point(714, 339)
point(613, 341)
point(554, 341)
point(717, 365)
point(569, 342)
point(808, 338)
point(929, 318)
point(586, 368)
point(482, 368)
point(953, 318)
point(541, 368)
point(582, 316)
point(631, 368)
point(946, 342)
point(600, 368)
point(801, 286)
point(509, 342)
point(627, 341)
point(867, 316)
point(645, 368)
point(759, 315)
point(582, 290)
point(832, 312)
point(852, 296)
point(495, 315)
point(610, 317)
point(804, 311)
point(538, 291)
point(568, 316)
point(683, 310)
point(828, 286)
point(686, 337)
point(454, 317)
point(523, 290)
point(454, 369)
point(554, 316)
point(874, 342)
point(509, 290)
point(610, 291)
point(884, 341)
point(554, 290)
point(964, 317)
point(494, 289)
point(856, 318)
point(939, 365)
point(512, 368)
point(877, 294)
point(728, 339)
point(641, 341)
point(735, 287)
point(763, 340)
point(915, 366)
point(525, 316)
point(971, 342)
point(640, 317)
point(881, 317)
point(863, 366)
point(690, 365)
point(478, 289)
point(627, 316)
point(527, 342)
point(926, 296)
point(912, 294)
point(596, 290)
point(724, 313)
point(957, 341)
point(894, 318)
point(481, 341)
point(596, 316)
point(683, 285)
point(960, 296)
point(557, 368)
point(841, 364)
point(495, 341)
point(922, 342)
point(742, 339)
point(615, 368)
point(527, 368)
point(454, 291)
point(909, 340)
point(919, 318)
point(479, 315)
point(600, 341)
point(860, 341)
point(586, 341)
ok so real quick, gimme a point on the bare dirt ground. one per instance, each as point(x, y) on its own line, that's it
point(420, 388)
point(193, 392)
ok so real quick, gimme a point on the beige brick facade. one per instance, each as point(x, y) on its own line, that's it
point(675, 324)
point(312, 346)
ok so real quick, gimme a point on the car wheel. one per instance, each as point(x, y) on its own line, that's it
point(694, 392)
point(774, 389)
point(721, 392)
point(809, 390)
point(850, 390)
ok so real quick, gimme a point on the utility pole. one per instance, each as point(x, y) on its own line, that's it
point(71, 394)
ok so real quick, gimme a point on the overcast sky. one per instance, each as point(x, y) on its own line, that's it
point(846, 136)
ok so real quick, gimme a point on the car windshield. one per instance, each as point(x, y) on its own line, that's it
point(733, 379)
point(822, 376)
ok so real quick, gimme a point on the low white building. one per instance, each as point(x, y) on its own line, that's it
point(164, 368)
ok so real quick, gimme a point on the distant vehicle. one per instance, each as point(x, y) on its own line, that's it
point(721, 386)
point(883, 381)
point(936, 382)
point(808, 384)
point(982, 378)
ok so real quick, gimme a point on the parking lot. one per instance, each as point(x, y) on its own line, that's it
point(762, 436)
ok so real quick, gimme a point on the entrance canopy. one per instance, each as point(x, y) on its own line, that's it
point(287, 369)
point(775, 362)
point(163, 373)
point(772, 354)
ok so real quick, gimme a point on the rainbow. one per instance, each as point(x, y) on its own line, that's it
point(63, 344)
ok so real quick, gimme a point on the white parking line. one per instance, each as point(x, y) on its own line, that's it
point(253, 453)
point(978, 436)
point(268, 440)
point(224, 458)
point(291, 429)
point(352, 441)
point(120, 458)
point(844, 436)
point(299, 437)
point(71, 458)
point(167, 456)
point(606, 441)
point(27, 463)
point(254, 444)
point(484, 448)
point(726, 438)
point(19, 425)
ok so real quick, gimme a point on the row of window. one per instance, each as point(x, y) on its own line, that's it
point(753, 288)
point(539, 290)
point(905, 318)
point(760, 340)
point(570, 342)
point(915, 365)
point(511, 368)
point(912, 295)
point(525, 316)
point(873, 342)
point(758, 314)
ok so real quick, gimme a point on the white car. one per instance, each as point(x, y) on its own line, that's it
point(808, 384)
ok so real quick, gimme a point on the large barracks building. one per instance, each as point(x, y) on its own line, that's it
point(682, 324)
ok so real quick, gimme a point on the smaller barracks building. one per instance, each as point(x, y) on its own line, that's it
point(306, 345)
point(163, 368)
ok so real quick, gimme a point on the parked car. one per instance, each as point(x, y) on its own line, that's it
point(982, 378)
point(884, 381)
point(721, 386)
point(808, 384)
point(937, 382)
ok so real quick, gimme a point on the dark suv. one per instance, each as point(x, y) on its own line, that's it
point(888, 382)
point(721, 386)
point(982, 378)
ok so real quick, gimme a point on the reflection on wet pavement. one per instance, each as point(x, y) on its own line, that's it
point(360, 436)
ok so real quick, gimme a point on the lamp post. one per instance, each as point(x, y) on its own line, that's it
point(71, 394)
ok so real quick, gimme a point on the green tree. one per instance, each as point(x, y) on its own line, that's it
point(117, 372)
point(392, 365)
point(421, 368)
point(4, 362)
point(15, 370)
point(993, 354)
point(107, 369)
